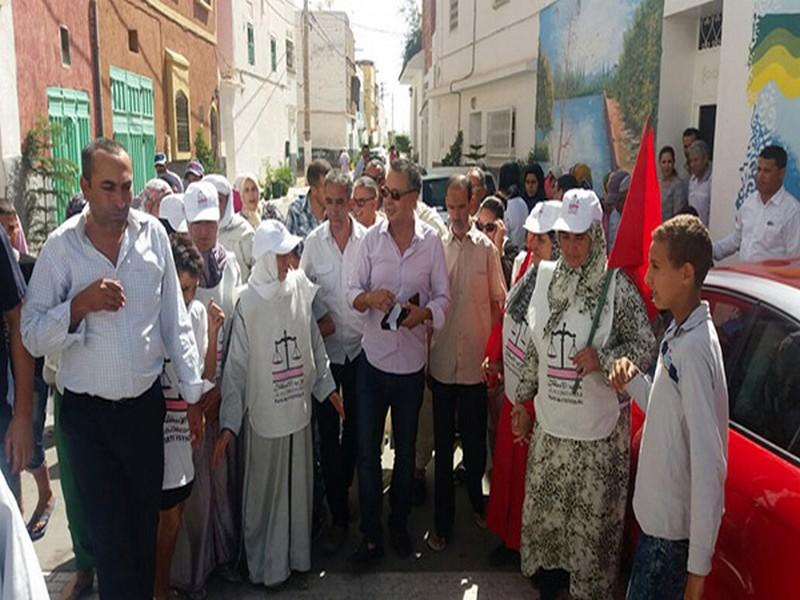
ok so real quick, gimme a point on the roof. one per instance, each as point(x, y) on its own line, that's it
point(415, 63)
point(782, 270)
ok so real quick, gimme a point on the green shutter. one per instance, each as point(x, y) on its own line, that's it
point(133, 121)
point(251, 44)
point(70, 109)
point(273, 45)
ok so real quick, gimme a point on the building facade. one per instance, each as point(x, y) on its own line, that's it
point(9, 103)
point(370, 93)
point(413, 75)
point(334, 85)
point(259, 56)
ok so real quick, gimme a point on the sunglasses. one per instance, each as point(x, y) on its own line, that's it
point(487, 227)
point(361, 202)
point(395, 194)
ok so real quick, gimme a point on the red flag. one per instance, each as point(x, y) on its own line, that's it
point(640, 216)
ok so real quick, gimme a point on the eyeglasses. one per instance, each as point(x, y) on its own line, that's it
point(487, 227)
point(395, 194)
point(361, 202)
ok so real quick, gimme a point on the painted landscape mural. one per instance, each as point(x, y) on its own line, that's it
point(597, 82)
point(774, 90)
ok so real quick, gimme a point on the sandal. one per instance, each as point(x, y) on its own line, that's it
point(37, 526)
point(435, 542)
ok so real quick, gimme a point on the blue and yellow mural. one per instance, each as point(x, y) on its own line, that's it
point(774, 90)
point(598, 79)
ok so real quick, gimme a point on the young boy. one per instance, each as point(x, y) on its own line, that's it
point(678, 498)
point(178, 442)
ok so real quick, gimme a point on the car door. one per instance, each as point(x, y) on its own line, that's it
point(759, 539)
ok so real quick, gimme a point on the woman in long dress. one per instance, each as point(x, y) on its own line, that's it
point(577, 474)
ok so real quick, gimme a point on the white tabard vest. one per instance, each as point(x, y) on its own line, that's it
point(515, 346)
point(590, 412)
point(278, 398)
point(225, 294)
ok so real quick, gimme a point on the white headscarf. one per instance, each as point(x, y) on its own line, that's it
point(264, 278)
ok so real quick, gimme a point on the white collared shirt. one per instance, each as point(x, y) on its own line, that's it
point(700, 195)
point(330, 269)
point(763, 231)
point(113, 355)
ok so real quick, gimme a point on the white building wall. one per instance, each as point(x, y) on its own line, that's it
point(9, 105)
point(258, 105)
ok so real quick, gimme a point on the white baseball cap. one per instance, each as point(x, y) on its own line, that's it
point(542, 216)
point(201, 202)
point(272, 236)
point(171, 209)
point(220, 182)
point(579, 209)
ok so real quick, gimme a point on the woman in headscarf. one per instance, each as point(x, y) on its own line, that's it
point(504, 353)
point(533, 185)
point(516, 211)
point(581, 320)
point(254, 209)
point(273, 327)
point(149, 199)
point(209, 535)
point(235, 233)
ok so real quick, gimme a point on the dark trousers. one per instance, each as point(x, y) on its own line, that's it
point(338, 454)
point(379, 391)
point(117, 452)
point(659, 569)
point(469, 403)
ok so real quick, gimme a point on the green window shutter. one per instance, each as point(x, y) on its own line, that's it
point(251, 44)
point(133, 121)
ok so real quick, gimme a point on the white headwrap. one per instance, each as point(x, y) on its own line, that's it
point(264, 278)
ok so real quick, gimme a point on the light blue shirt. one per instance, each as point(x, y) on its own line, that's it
point(113, 355)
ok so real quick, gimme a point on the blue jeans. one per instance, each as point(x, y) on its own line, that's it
point(659, 569)
point(377, 392)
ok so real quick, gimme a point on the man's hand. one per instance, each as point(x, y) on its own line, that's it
point(586, 361)
point(622, 371)
point(337, 402)
point(216, 317)
point(381, 300)
point(19, 442)
point(209, 402)
point(416, 316)
point(197, 423)
point(499, 236)
point(223, 440)
point(103, 294)
point(521, 423)
point(694, 587)
point(491, 369)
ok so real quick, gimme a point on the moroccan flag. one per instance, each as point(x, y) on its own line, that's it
point(640, 216)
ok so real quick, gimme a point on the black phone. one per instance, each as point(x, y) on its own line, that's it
point(397, 314)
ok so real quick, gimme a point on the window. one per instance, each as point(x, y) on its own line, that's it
point(273, 51)
point(133, 40)
point(731, 316)
point(765, 390)
point(133, 120)
point(290, 56)
point(453, 14)
point(500, 134)
point(475, 128)
point(251, 44)
point(182, 122)
point(710, 34)
point(66, 55)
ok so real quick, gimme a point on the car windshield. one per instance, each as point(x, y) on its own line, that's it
point(433, 192)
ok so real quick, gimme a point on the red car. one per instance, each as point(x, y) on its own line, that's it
point(756, 310)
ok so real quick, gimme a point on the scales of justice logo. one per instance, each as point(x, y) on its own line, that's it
point(517, 342)
point(286, 365)
point(560, 353)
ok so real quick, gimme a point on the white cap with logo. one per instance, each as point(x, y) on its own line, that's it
point(543, 216)
point(579, 209)
point(272, 236)
point(171, 209)
point(201, 202)
point(220, 182)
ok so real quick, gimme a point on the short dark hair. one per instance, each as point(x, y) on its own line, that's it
point(6, 208)
point(688, 241)
point(567, 182)
point(694, 132)
point(509, 177)
point(459, 181)
point(187, 257)
point(776, 153)
point(667, 150)
point(494, 205)
point(101, 143)
point(411, 171)
point(317, 171)
point(340, 178)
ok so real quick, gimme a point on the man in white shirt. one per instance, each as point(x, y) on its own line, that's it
point(105, 294)
point(700, 181)
point(768, 222)
point(328, 260)
point(344, 161)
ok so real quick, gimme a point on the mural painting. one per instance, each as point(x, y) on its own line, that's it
point(597, 81)
point(774, 90)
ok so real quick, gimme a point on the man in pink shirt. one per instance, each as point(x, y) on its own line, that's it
point(400, 283)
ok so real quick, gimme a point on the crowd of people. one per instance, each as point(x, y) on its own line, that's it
point(222, 375)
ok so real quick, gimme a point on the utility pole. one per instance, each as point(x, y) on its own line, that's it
point(306, 91)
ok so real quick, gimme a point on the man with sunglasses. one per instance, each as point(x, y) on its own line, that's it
point(400, 265)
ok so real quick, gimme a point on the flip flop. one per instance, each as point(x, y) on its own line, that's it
point(37, 529)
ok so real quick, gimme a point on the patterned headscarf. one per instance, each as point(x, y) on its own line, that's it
point(582, 285)
point(519, 296)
